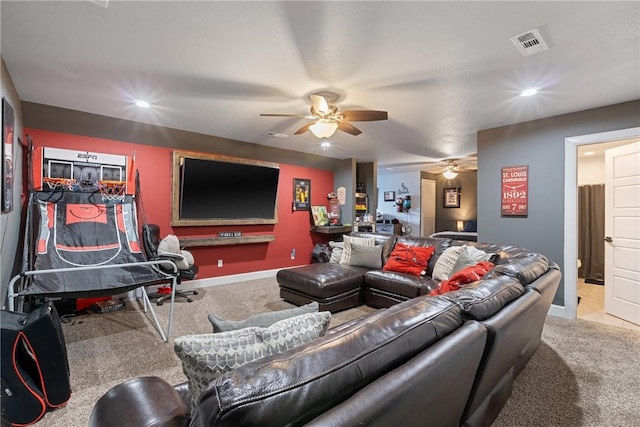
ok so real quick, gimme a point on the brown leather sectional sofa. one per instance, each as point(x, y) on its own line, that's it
point(443, 360)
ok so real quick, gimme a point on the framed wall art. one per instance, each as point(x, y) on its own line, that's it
point(8, 122)
point(320, 215)
point(515, 191)
point(451, 198)
point(389, 196)
point(301, 194)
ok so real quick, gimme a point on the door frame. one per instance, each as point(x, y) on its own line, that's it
point(570, 273)
point(424, 200)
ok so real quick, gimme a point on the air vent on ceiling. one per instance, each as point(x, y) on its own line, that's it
point(530, 42)
point(278, 135)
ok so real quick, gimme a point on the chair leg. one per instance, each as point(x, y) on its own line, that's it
point(179, 294)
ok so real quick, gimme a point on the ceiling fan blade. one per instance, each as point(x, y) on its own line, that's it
point(364, 115)
point(348, 128)
point(303, 129)
point(284, 115)
point(319, 104)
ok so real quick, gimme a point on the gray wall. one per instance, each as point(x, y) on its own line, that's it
point(539, 144)
point(344, 175)
point(10, 222)
point(446, 217)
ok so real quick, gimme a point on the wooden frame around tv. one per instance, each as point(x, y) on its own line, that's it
point(178, 159)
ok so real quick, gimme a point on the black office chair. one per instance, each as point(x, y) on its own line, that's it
point(151, 241)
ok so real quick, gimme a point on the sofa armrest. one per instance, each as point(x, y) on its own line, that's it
point(184, 393)
point(144, 401)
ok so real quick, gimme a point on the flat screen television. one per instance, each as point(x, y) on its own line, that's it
point(218, 190)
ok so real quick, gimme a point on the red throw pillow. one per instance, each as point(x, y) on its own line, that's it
point(409, 259)
point(466, 275)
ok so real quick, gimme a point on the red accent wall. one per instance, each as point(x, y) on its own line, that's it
point(154, 163)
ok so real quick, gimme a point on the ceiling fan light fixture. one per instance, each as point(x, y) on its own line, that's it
point(325, 143)
point(323, 129)
point(449, 173)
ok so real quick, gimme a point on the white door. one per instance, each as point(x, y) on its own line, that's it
point(428, 207)
point(622, 232)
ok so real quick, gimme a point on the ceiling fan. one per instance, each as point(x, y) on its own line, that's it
point(326, 118)
point(449, 168)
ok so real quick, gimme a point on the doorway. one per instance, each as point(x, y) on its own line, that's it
point(591, 305)
point(428, 207)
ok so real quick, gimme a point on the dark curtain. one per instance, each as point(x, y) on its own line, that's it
point(591, 233)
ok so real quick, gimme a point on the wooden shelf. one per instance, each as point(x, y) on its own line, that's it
point(191, 242)
point(332, 229)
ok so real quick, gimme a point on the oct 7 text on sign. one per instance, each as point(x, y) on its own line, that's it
point(515, 191)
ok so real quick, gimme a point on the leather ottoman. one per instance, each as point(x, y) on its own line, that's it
point(335, 287)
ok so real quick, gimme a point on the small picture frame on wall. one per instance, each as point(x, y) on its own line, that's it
point(451, 198)
point(301, 194)
point(320, 215)
point(389, 196)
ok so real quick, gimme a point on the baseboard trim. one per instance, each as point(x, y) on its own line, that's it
point(233, 278)
point(558, 311)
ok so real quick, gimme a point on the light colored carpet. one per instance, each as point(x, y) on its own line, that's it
point(583, 374)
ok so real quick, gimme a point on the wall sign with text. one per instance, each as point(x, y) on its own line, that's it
point(515, 191)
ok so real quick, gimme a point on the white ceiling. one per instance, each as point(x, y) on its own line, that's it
point(442, 70)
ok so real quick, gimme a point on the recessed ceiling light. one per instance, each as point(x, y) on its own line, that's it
point(589, 153)
point(529, 92)
point(142, 104)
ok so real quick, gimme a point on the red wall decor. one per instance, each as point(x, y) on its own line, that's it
point(293, 230)
point(515, 191)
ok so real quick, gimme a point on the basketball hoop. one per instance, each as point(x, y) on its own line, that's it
point(59, 184)
point(112, 191)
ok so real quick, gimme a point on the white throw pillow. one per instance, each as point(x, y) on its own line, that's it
point(445, 262)
point(336, 252)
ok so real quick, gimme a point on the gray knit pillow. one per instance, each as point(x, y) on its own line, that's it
point(445, 262)
point(260, 320)
point(207, 356)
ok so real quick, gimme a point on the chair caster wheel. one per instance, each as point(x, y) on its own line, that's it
point(159, 304)
point(189, 300)
point(195, 292)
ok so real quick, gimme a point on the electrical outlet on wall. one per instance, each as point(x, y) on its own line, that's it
point(293, 253)
point(219, 263)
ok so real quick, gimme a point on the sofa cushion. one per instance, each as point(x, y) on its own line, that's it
point(321, 280)
point(408, 285)
point(445, 262)
point(482, 299)
point(409, 259)
point(207, 356)
point(346, 252)
point(365, 256)
point(526, 267)
point(320, 374)
point(260, 320)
